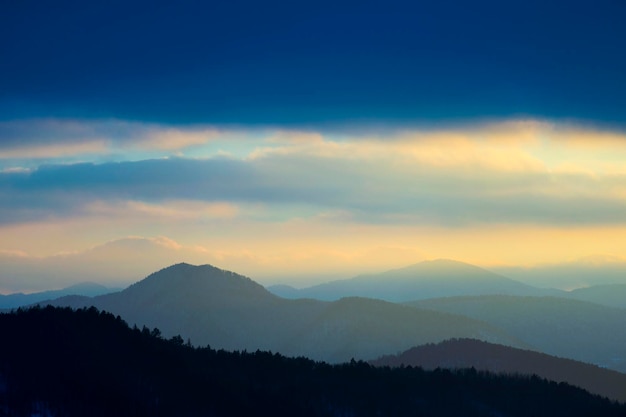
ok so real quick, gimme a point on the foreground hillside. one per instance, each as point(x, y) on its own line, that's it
point(483, 356)
point(230, 311)
point(78, 363)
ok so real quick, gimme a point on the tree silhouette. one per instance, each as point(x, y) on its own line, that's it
point(78, 363)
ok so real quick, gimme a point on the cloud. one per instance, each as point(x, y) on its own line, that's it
point(122, 261)
point(168, 210)
point(517, 172)
point(66, 138)
point(15, 170)
point(13, 253)
point(40, 151)
point(118, 262)
point(275, 65)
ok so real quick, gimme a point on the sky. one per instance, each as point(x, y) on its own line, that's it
point(298, 142)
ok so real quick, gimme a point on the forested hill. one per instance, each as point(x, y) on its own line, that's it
point(467, 353)
point(77, 363)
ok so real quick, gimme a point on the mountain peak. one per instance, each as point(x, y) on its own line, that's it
point(186, 266)
point(441, 263)
point(448, 268)
point(197, 282)
point(184, 269)
point(427, 279)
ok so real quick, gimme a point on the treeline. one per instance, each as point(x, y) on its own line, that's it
point(60, 362)
point(466, 353)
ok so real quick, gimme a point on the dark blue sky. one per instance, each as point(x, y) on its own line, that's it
point(308, 139)
point(310, 63)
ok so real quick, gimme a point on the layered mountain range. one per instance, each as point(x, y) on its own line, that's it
point(210, 306)
point(89, 289)
point(428, 279)
point(230, 311)
point(569, 328)
point(59, 362)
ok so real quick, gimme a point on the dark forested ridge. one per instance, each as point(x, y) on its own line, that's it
point(468, 353)
point(89, 363)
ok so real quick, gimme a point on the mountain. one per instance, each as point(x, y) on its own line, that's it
point(58, 362)
point(230, 311)
point(567, 328)
point(612, 295)
point(118, 262)
point(583, 272)
point(484, 356)
point(195, 301)
point(364, 328)
point(89, 289)
point(428, 279)
point(285, 291)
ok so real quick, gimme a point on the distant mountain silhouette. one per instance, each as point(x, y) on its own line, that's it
point(118, 262)
point(612, 295)
point(89, 289)
point(466, 353)
point(230, 311)
point(583, 272)
point(286, 291)
point(363, 327)
point(567, 328)
point(428, 279)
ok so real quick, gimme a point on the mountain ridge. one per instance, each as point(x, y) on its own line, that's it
point(90, 363)
point(612, 295)
point(557, 326)
point(426, 279)
point(90, 289)
point(485, 356)
point(230, 311)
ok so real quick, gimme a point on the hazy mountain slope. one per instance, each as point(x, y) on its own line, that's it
point(362, 328)
point(569, 328)
point(613, 295)
point(58, 362)
point(118, 262)
point(285, 291)
point(466, 353)
point(582, 272)
point(89, 289)
point(226, 310)
point(428, 279)
point(203, 303)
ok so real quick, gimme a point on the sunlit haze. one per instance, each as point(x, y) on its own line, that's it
point(302, 144)
point(303, 206)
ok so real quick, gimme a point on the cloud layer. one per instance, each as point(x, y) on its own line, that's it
point(300, 64)
point(318, 134)
point(515, 173)
point(288, 196)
